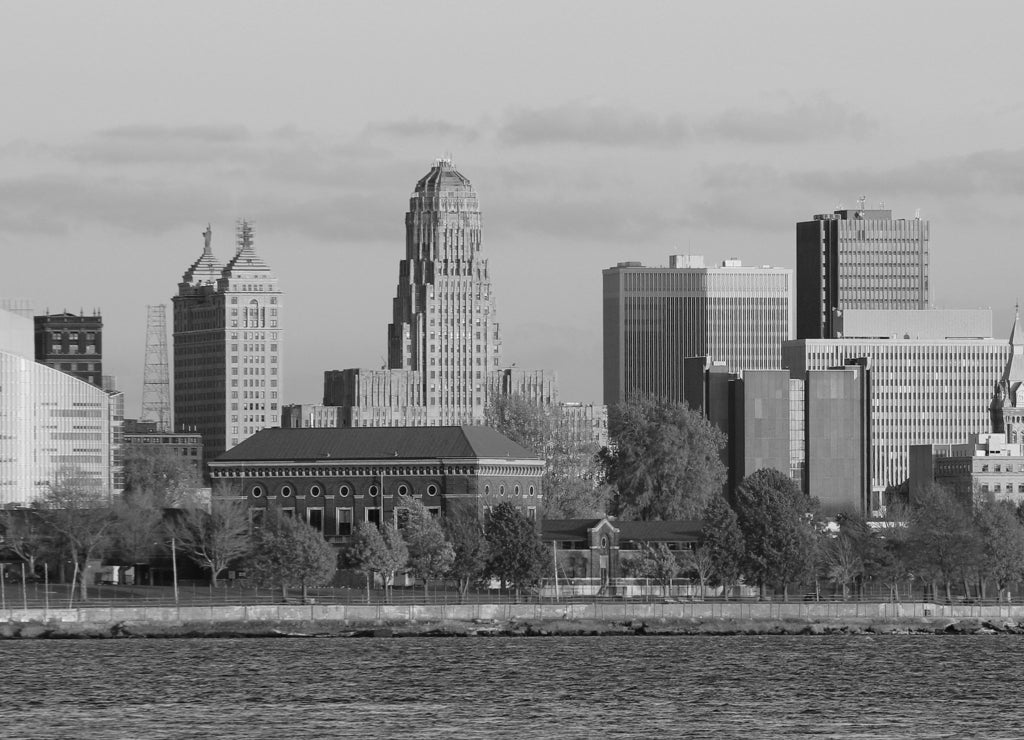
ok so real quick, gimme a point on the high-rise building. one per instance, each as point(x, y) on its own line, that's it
point(860, 259)
point(228, 342)
point(656, 317)
point(927, 388)
point(815, 427)
point(54, 428)
point(444, 340)
point(71, 343)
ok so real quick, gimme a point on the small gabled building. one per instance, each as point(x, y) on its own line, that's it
point(597, 548)
point(334, 478)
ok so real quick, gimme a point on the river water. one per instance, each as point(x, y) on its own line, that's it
point(560, 687)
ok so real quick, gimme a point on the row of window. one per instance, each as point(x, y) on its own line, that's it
point(316, 490)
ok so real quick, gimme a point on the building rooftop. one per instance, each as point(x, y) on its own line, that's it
point(377, 443)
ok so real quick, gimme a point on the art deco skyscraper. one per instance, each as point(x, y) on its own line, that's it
point(228, 340)
point(444, 341)
point(857, 259)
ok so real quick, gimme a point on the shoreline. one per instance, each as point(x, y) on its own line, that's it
point(661, 626)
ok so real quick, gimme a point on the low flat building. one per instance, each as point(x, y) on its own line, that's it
point(334, 478)
point(987, 466)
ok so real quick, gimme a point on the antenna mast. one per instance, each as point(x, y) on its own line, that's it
point(156, 379)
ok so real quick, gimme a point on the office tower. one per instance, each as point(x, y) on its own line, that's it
point(859, 259)
point(228, 340)
point(930, 386)
point(72, 343)
point(656, 317)
point(814, 428)
point(156, 376)
point(55, 428)
point(444, 340)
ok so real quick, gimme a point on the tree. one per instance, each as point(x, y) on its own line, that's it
point(516, 554)
point(698, 561)
point(154, 470)
point(288, 553)
point(941, 538)
point(664, 461)
point(79, 515)
point(380, 551)
point(25, 535)
point(657, 562)
point(430, 554)
point(843, 563)
point(775, 517)
point(572, 483)
point(723, 542)
point(214, 537)
point(470, 548)
point(1001, 537)
point(138, 526)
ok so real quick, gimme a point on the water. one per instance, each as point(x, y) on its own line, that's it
point(565, 687)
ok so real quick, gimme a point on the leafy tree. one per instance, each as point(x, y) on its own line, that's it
point(723, 543)
point(25, 535)
point(214, 537)
point(470, 548)
point(138, 526)
point(657, 562)
point(775, 518)
point(664, 461)
point(573, 478)
point(79, 515)
point(843, 562)
point(430, 554)
point(941, 538)
point(154, 470)
point(699, 562)
point(1001, 537)
point(516, 554)
point(380, 551)
point(288, 553)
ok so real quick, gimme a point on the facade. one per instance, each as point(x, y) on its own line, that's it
point(987, 466)
point(54, 428)
point(71, 343)
point(815, 428)
point(923, 391)
point(444, 340)
point(656, 317)
point(147, 435)
point(333, 478)
point(598, 548)
point(858, 259)
point(228, 342)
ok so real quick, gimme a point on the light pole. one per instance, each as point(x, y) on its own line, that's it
point(174, 569)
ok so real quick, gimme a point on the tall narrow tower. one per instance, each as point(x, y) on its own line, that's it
point(445, 324)
point(156, 378)
point(228, 340)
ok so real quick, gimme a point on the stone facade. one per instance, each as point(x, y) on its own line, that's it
point(228, 342)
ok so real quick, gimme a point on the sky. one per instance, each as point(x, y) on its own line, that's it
point(594, 133)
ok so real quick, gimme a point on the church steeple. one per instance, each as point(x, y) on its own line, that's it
point(1007, 407)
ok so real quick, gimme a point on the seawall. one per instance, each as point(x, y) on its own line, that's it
point(612, 618)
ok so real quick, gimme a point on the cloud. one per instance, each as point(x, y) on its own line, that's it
point(415, 128)
point(592, 124)
point(817, 118)
point(989, 173)
point(141, 145)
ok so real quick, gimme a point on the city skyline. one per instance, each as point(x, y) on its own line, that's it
point(313, 127)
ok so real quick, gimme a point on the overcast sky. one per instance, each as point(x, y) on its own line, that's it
point(594, 133)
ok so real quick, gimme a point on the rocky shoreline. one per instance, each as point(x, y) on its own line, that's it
point(509, 628)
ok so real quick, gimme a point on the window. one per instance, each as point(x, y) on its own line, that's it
point(288, 512)
point(501, 490)
point(531, 514)
point(315, 519)
point(374, 490)
point(315, 491)
point(403, 490)
point(432, 490)
point(286, 491)
point(344, 490)
point(344, 521)
point(257, 491)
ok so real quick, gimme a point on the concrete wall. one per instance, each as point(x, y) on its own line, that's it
point(363, 614)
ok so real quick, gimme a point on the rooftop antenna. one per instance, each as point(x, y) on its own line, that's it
point(917, 213)
point(860, 202)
